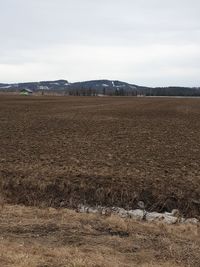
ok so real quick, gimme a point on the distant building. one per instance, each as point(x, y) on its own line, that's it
point(26, 92)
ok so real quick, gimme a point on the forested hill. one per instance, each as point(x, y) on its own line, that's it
point(100, 87)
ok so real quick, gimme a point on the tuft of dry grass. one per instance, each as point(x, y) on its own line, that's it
point(48, 237)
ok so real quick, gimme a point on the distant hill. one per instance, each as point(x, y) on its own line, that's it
point(35, 86)
point(100, 87)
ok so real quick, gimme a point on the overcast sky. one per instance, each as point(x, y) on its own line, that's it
point(146, 42)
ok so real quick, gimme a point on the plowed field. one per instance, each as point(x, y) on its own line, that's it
point(61, 151)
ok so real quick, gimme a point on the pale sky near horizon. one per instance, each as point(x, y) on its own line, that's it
point(145, 42)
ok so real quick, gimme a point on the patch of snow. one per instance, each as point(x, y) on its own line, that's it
point(5, 87)
point(154, 216)
point(191, 221)
point(137, 214)
point(101, 95)
point(120, 86)
point(42, 87)
point(120, 211)
point(140, 214)
point(54, 83)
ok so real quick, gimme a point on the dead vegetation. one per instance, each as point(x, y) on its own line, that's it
point(63, 238)
point(107, 151)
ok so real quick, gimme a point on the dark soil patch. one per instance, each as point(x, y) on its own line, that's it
point(62, 151)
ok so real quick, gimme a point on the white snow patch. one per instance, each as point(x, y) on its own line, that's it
point(5, 87)
point(139, 214)
point(43, 87)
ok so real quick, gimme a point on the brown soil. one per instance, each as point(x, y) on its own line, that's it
point(62, 238)
point(61, 151)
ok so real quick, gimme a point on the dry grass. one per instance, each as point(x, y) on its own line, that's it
point(63, 238)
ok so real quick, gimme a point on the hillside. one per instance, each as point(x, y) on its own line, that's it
point(99, 87)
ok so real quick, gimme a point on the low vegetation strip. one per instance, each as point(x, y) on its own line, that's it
point(63, 151)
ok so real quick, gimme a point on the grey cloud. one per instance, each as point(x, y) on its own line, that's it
point(28, 28)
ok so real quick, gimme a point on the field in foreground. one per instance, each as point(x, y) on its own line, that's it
point(61, 151)
point(63, 238)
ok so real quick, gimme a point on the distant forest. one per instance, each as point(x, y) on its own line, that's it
point(98, 88)
point(158, 91)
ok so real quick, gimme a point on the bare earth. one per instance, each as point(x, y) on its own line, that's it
point(108, 151)
point(58, 152)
